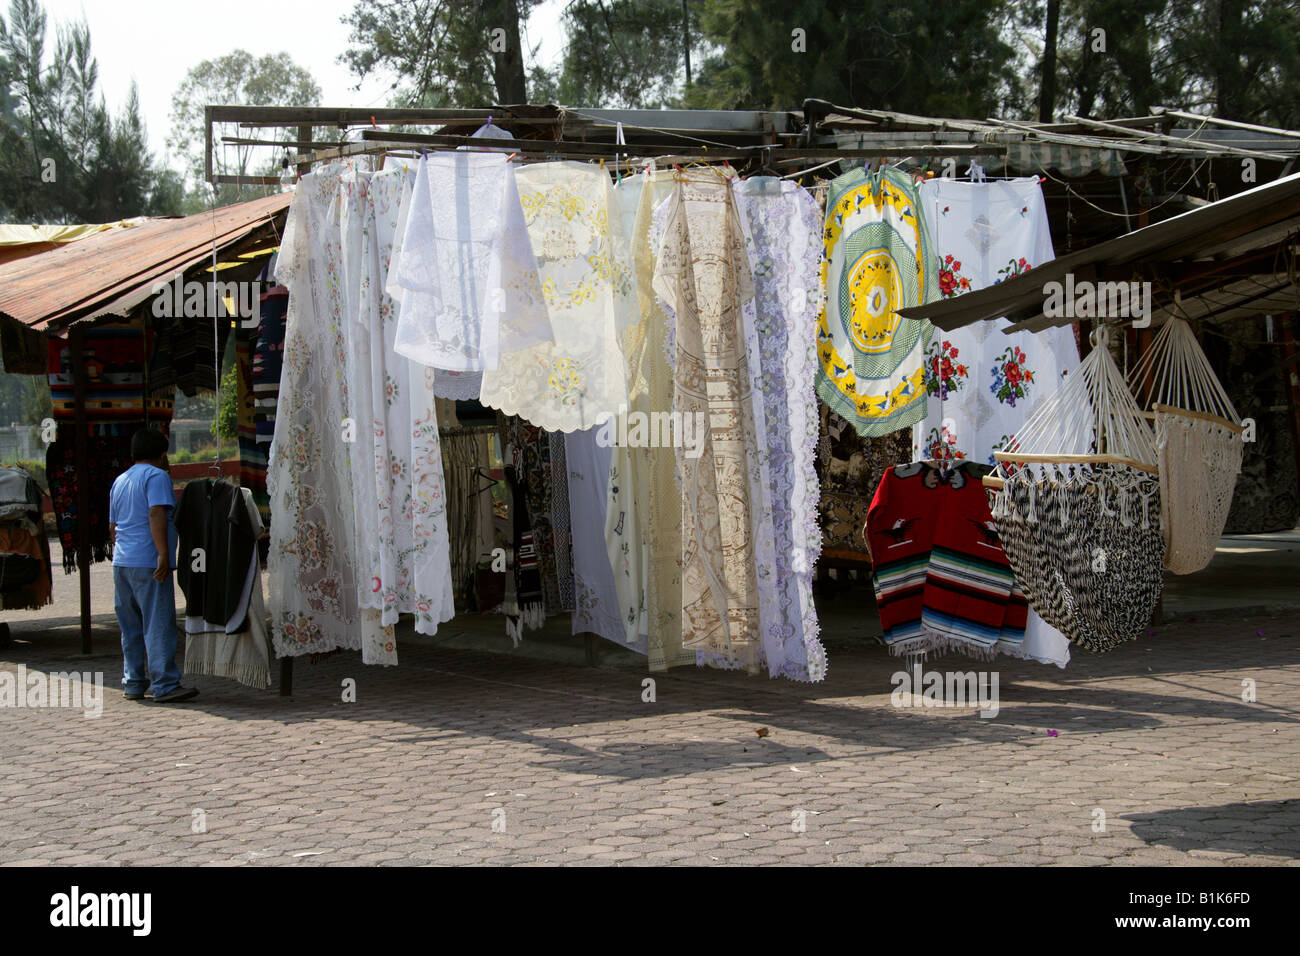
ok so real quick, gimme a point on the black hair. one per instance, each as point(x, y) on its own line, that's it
point(148, 444)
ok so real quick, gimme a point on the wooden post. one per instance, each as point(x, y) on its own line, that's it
point(1286, 335)
point(305, 136)
point(81, 455)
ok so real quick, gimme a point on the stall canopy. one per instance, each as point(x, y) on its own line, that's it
point(20, 241)
point(114, 270)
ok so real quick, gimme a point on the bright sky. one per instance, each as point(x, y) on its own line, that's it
point(155, 42)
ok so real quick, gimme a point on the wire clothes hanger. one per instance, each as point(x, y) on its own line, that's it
point(491, 482)
point(718, 176)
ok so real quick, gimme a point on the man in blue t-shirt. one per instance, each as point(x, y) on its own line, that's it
point(144, 547)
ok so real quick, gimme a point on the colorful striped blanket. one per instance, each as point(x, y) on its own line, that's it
point(941, 577)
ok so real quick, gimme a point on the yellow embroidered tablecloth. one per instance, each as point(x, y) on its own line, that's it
point(878, 259)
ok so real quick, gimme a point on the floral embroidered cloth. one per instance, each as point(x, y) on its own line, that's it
point(782, 227)
point(981, 383)
point(379, 643)
point(597, 606)
point(471, 291)
point(703, 275)
point(400, 500)
point(877, 260)
point(649, 372)
point(312, 561)
point(629, 474)
point(579, 380)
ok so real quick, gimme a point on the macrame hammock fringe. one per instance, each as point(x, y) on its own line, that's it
point(1198, 439)
point(1075, 496)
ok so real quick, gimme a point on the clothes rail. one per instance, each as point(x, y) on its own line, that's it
point(535, 150)
point(466, 430)
point(760, 151)
point(580, 147)
point(633, 155)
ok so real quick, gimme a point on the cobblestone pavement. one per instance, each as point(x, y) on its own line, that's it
point(459, 756)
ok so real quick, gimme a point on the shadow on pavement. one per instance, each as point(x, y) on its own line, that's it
point(1269, 827)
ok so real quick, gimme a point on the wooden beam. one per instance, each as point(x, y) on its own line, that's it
point(207, 143)
point(305, 135)
point(1231, 124)
point(283, 143)
point(1203, 416)
point(245, 180)
point(1166, 138)
point(1015, 457)
point(255, 116)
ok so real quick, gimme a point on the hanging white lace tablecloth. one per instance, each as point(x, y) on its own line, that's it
point(312, 559)
point(471, 290)
point(783, 225)
point(379, 643)
point(579, 380)
point(703, 275)
point(629, 466)
point(650, 372)
point(401, 504)
point(596, 607)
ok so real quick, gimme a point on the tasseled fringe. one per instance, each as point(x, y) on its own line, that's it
point(98, 553)
point(248, 674)
point(918, 649)
point(30, 604)
point(531, 618)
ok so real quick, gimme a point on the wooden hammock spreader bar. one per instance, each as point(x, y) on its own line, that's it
point(997, 484)
point(1216, 419)
point(1016, 456)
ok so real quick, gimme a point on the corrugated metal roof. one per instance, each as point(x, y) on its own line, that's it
point(1183, 250)
point(113, 271)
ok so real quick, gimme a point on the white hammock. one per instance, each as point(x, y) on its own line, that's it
point(1076, 504)
point(1198, 438)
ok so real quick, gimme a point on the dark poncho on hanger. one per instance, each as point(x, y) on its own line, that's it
point(212, 517)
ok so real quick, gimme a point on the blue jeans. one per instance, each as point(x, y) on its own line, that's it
point(146, 613)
